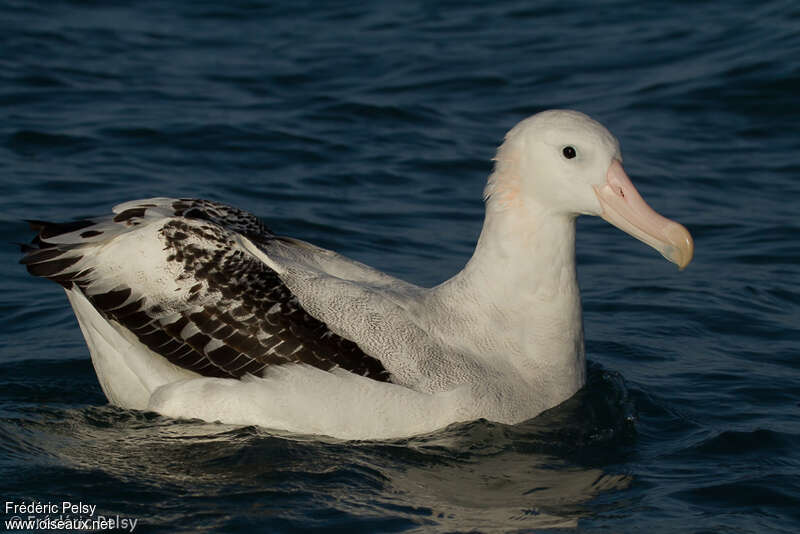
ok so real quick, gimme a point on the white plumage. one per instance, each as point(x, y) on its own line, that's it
point(194, 309)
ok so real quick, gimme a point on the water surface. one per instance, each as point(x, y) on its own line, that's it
point(369, 129)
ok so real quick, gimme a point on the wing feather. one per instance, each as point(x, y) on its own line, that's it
point(175, 274)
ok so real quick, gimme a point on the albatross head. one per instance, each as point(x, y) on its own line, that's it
point(563, 162)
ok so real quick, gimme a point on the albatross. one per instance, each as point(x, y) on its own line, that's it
point(194, 309)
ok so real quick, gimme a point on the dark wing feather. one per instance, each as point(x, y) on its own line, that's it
point(230, 313)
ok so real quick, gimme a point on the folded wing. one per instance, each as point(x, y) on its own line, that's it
point(179, 275)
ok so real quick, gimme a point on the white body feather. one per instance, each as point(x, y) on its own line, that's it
point(492, 342)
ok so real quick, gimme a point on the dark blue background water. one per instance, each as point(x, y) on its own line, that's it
point(369, 129)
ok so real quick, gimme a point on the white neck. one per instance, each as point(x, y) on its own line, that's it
point(517, 299)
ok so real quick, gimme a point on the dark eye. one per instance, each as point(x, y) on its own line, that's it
point(569, 152)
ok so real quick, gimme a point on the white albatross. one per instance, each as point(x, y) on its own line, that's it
point(194, 309)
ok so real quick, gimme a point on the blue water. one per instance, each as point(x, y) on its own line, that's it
point(369, 129)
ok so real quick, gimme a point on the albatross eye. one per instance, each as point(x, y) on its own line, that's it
point(569, 152)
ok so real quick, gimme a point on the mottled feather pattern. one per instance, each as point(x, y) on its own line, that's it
point(231, 314)
point(228, 217)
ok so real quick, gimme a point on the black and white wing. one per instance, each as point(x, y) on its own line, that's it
point(175, 273)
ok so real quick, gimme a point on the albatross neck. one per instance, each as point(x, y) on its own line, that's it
point(530, 255)
point(522, 255)
point(517, 298)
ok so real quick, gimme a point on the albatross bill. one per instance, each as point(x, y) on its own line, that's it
point(625, 208)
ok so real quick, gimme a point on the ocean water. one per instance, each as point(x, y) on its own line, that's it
point(369, 129)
